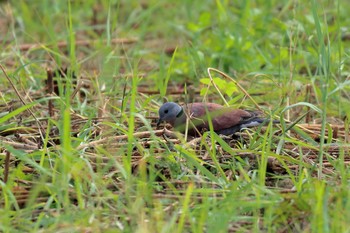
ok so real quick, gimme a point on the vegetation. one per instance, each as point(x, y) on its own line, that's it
point(81, 84)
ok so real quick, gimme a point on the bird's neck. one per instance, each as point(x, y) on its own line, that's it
point(180, 113)
point(180, 118)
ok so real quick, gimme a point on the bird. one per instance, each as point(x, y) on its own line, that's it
point(225, 120)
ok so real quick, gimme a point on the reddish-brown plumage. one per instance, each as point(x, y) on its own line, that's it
point(223, 118)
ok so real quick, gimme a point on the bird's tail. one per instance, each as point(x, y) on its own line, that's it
point(257, 121)
point(247, 124)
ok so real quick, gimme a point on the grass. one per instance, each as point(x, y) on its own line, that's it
point(95, 160)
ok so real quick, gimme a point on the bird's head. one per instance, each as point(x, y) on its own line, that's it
point(169, 112)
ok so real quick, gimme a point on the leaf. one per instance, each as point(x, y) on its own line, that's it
point(205, 19)
point(205, 80)
point(16, 112)
point(341, 86)
point(227, 88)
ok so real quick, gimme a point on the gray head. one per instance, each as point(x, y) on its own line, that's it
point(169, 112)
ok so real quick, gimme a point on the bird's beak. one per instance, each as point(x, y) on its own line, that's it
point(159, 121)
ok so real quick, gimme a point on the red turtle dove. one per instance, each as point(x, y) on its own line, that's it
point(226, 120)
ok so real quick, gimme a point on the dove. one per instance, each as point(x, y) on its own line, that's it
point(225, 120)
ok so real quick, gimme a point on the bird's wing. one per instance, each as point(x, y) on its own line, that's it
point(229, 117)
point(197, 113)
point(222, 117)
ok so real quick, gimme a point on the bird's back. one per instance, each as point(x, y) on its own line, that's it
point(221, 117)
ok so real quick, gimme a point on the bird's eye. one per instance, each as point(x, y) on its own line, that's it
point(166, 111)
